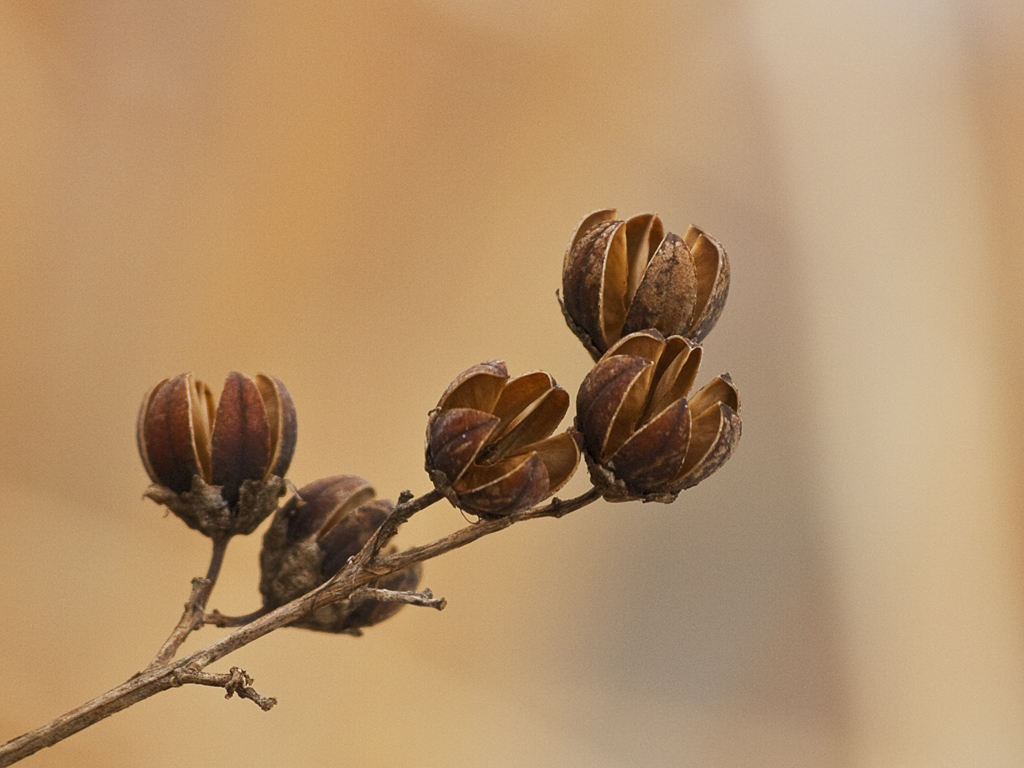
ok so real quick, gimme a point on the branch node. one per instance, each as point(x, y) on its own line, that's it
point(237, 682)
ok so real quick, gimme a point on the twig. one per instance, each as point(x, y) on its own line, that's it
point(425, 598)
point(406, 508)
point(354, 575)
point(464, 536)
point(219, 619)
point(236, 682)
point(195, 608)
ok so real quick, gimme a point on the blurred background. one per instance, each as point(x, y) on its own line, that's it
point(365, 199)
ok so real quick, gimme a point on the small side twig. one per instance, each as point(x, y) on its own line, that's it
point(236, 682)
point(219, 619)
point(195, 609)
point(425, 598)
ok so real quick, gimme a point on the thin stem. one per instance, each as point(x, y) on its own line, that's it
point(407, 507)
point(237, 682)
point(195, 608)
point(425, 598)
point(355, 574)
point(218, 619)
point(464, 536)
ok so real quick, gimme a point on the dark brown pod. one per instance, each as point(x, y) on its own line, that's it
point(643, 437)
point(620, 277)
point(490, 448)
point(310, 540)
point(218, 466)
point(241, 447)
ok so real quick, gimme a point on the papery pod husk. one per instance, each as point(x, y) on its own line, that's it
point(669, 273)
point(241, 446)
point(288, 568)
point(204, 509)
point(293, 555)
point(713, 277)
point(166, 432)
point(523, 486)
point(321, 503)
point(455, 438)
point(478, 387)
point(281, 415)
point(652, 457)
point(583, 279)
point(728, 437)
point(614, 384)
point(615, 490)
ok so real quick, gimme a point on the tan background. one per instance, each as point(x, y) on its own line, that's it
point(365, 198)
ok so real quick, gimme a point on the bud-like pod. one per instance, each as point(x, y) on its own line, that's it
point(642, 437)
point(218, 466)
point(310, 540)
point(489, 447)
point(619, 277)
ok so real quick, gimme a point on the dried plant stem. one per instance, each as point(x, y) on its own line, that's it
point(425, 598)
point(362, 569)
point(469, 534)
point(235, 682)
point(195, 608)
point(406, 508)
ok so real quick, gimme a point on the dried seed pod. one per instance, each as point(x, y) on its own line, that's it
point(642, 437)
point(218, 466)
point(310, 540)
point(489, 447)
point(619, 277)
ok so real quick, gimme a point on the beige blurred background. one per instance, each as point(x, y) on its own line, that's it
point(364, 199)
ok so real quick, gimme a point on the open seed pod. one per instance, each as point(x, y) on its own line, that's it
point(218, 466)
point(619, 277)
point(489, 447)
point(643, 437)
point(310, 540)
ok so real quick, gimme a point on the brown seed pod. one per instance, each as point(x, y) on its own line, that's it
point(310, 540)
point(489, 445)
point(619, 277)
point(642, 437)
point(218, 466)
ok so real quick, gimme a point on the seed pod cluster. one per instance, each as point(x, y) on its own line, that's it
point(619, 277)
point(490, 448)
point(218, 466)
point(639, 298)
point(310, 540)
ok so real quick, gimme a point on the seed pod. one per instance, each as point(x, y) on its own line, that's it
point(310, 540)
point(489, 446)
point(619, 277)
point(642, 437)
point(218, 466)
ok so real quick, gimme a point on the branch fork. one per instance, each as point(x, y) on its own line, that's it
point(352, 582)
